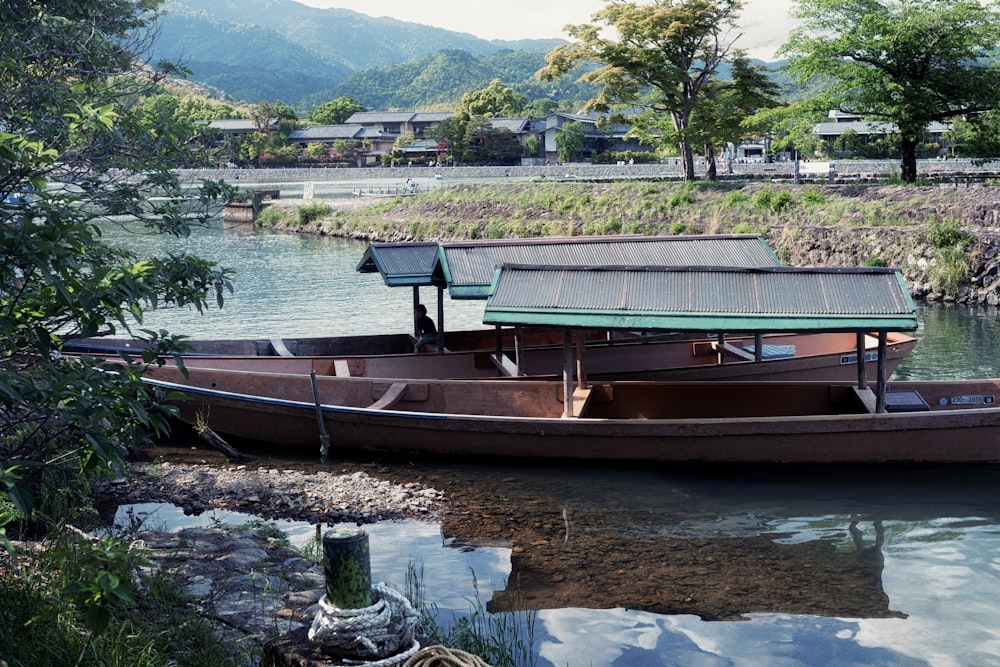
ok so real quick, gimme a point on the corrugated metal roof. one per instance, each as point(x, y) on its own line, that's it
point(723, 299)
point(469, 266)
point(401, 264)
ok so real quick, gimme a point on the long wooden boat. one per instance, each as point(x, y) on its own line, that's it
point(817, 356)
point(788, 422)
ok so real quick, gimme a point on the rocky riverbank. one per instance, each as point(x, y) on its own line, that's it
point(245, 578)
point(944, 238)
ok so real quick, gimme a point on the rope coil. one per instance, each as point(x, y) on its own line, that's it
point(374, 632)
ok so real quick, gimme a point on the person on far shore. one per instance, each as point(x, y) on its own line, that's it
point(425, 328)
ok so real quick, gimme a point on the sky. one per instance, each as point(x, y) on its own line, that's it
point(764, 23)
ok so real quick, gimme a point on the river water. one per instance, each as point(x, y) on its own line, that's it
point(894, 565)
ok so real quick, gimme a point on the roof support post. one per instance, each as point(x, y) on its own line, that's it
point(567, 373)
point(581, 360)
point(758, 347)
point(519, 348)
point(721, 338)
point(862, 366)
point(497, 341)
point(440, 309)
point(883, 345)
point(416, 301)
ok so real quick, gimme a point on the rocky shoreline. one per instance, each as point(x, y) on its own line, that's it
point(253, 586)
point(272, 493)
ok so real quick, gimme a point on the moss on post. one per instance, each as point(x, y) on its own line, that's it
point(347, 566)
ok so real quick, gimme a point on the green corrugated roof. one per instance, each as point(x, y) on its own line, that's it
point(469, 265)
point(402, 264)
point(724, 299)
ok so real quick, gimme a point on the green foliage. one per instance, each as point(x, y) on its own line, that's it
point(152, 625)
point(570, 139)
point(769, 199)
point(908, 63)
point(495, 100)
point(736, 198)
point(945, 234)
point(79, 147)
point(690, 40)
point(749, 228)
point(813, 197)
point(336, 111)
point(502, 636)
point(950, 269)
point(306, 214)
point(683, 197)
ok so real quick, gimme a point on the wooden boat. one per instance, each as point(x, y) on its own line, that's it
point(817, 356)
point(788, 422)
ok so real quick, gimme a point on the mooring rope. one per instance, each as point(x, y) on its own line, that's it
point(442, 656)
point(374, 632)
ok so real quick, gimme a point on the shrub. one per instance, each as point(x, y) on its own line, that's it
point(683, 198)
point(772, 200)
point(944, 234)
point(311, 212)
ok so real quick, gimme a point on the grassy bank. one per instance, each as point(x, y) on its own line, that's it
point(941, 237)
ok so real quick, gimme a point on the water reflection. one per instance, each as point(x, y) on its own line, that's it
point(707, 566)
point(891, 566)
point(838, 566)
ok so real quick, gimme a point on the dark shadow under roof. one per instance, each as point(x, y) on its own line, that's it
point(720, 299)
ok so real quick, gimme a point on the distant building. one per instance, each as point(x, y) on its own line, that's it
point(238, 126)
point(598, 140)
point(867, 131)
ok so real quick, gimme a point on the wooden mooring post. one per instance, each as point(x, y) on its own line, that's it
point(348, 569)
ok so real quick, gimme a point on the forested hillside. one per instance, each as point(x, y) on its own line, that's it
point(282, 50)
point(440, 80)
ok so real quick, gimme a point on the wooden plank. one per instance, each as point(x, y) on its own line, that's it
point(580, 399)
point(280, 349)
point(392, 396)
point(727, 348)
point(867, 398)
point(505, 364)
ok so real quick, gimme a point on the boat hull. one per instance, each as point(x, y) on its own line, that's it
point(659, 422)
point(820, 357)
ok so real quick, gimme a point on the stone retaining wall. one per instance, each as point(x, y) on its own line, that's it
point(670, 169)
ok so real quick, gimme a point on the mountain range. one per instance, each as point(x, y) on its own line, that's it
point(281, 50)
point(252, 50)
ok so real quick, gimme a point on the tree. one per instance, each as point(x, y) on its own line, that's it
point(450, 133)
point(494, 101)
point(977, 136)
point(336, 111)
point(725, 116)
point(570, 140)
point(659, 57)
point(73, 157)
point(907, 62)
